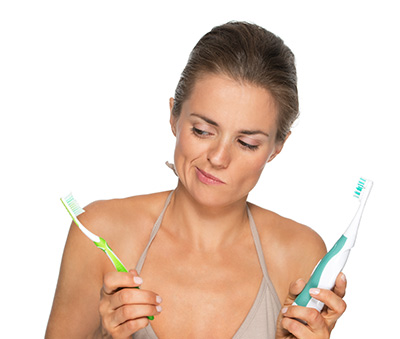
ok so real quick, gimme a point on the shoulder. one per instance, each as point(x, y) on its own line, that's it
point(287, 231)
point(291, 249)
point(124, 223)
point(135, 210)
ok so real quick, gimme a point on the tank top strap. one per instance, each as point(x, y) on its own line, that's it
point(260, 253)
point(153, 233)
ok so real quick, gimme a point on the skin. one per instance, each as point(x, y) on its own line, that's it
point(202, 264)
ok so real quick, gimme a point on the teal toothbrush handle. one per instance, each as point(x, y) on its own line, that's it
point(102, 244)
point(325, 273)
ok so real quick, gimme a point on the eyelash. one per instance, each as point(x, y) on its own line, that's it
point(248, 146)
point(201, 134)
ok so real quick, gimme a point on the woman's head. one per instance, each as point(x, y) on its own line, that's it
point(245, 53)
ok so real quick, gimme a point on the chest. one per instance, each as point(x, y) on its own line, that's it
point(205, 294)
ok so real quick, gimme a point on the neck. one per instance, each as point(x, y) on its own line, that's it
point(206, 228)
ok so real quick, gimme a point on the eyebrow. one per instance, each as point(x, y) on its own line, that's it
point(246, 132)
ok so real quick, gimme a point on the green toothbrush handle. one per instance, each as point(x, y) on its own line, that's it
point(102, 244)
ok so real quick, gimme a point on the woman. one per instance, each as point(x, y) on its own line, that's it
point(209, 264)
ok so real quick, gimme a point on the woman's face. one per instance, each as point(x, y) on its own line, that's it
point(225, 135)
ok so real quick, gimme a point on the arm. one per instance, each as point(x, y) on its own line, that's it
point(313, 324)
point(85, 291)
point(78, 287)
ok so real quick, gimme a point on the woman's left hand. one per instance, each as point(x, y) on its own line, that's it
point(318, 325)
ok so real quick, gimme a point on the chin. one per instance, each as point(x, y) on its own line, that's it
point(216, 197)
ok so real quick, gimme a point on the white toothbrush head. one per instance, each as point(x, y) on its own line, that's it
point(363, 189)
point(74, 210)
point(72, 205)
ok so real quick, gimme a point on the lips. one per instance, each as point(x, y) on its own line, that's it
point(207, 178)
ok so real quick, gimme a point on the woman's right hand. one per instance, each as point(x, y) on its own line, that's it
point(123, 308)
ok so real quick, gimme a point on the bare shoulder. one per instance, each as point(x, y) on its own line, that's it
point(291, 249)
point(126, 213)
point(125, 223)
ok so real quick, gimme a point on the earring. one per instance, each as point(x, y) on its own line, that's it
point(172, 166)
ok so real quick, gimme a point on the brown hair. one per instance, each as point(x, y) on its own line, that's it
point(249, 53)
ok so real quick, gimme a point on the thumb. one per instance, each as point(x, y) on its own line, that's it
point(294, 290)
point(134, 272)
point(136, 278)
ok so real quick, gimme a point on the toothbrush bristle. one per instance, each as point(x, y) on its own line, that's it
point(73, 205)
point(360, 187)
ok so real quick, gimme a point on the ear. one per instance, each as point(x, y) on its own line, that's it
point(278, 147)
point(172, 119)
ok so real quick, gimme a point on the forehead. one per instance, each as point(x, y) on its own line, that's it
point(226, 100)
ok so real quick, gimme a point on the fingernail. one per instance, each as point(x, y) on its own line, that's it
point(158, 308)
point(138, 280)
point(315, 291)
point(158, 299)
point(284, 310)
point(343, 277)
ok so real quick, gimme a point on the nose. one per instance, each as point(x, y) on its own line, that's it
point(219, 154)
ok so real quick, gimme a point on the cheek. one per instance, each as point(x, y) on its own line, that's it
point(251, 169)
point(257, 162)
point(256, 166)
point(187, 147)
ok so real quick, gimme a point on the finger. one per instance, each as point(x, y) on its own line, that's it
point(295, 327)
point(309, 317)
point(294, 289)
point(128, 296)
point(113, 281)
point(134, 272)
point(333, 301)
point(125, 330)
point(340, 285)
point(131, 312)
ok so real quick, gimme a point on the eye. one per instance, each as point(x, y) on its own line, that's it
point(199, 132)
point(248, 146)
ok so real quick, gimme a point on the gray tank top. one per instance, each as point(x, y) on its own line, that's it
point(260, 322)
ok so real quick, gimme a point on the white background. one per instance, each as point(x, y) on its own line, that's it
point(84, 89)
